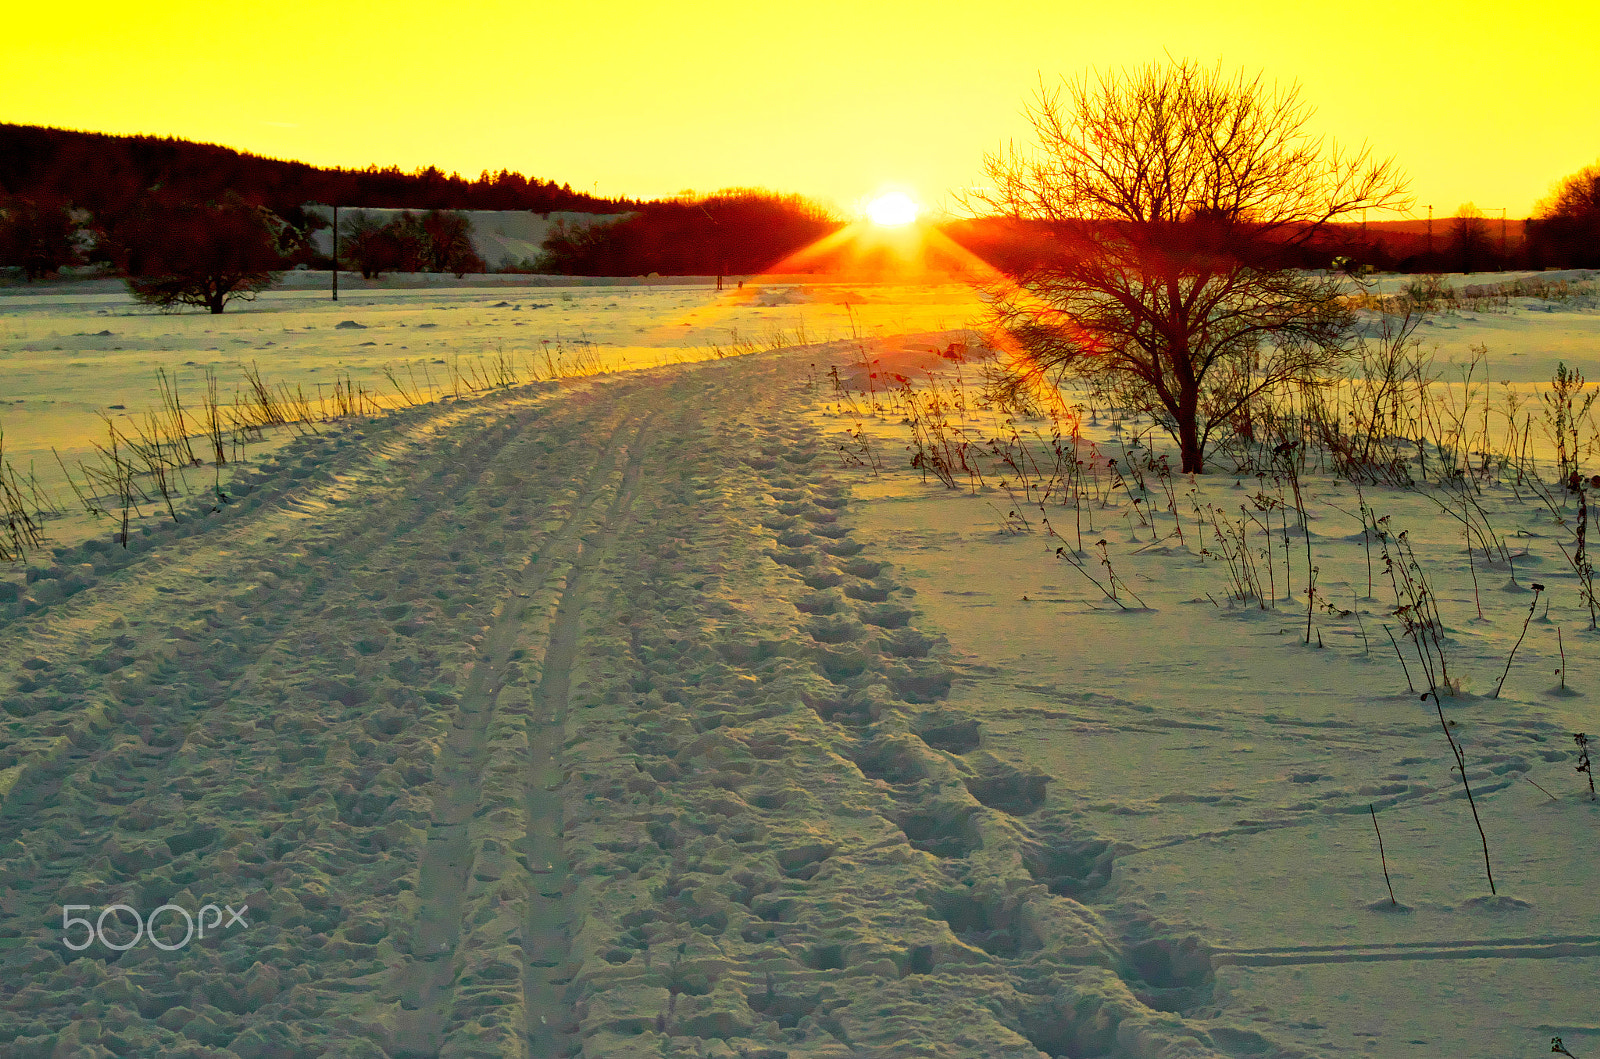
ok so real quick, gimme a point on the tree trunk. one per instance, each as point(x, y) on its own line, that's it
point(1189, 452)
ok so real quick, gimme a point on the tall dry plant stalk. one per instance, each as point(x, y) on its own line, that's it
point(24, 529)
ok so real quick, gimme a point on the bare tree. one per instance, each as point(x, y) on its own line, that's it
point(368, 243)
point(1574, 196)
point(449, 243)
point(203, 255)
point(1180, 201)
point(1470, 244)
point(1565, 229)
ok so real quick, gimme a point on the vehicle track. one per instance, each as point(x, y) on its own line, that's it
point(456, 849)
point(549, 1026)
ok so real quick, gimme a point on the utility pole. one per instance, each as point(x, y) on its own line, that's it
point(335, 253)
point(1430, 231)
point(1502, 233)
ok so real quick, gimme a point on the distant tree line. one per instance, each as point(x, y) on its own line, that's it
point(163, 211)
point(1564, 232)
point(192, 224)
point(737, 231)
point(109, 175)
point(1013, 244)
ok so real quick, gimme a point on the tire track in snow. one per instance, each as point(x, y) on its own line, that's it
point(454, 857)
point(549, 1025)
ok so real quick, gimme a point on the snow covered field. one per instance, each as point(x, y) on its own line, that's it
point(671, 712)
point(71, 350)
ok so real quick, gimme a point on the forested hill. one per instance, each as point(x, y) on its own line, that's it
point(106, 173)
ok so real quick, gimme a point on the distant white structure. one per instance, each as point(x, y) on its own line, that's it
point(501, 237)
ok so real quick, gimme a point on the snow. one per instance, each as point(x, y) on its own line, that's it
point(670, 712)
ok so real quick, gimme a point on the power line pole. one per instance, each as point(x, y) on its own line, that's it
point(335, 253)
point(1430, 231)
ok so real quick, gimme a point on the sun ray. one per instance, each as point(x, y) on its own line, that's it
point(868, 252)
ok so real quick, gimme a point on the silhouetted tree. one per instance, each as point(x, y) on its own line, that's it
point(449, 244)
point(1178, 199)
point(37, 238)
point(368, 244)
point(184, 254)
point(1565, 229)
point(411, 242)
point(1471, 248)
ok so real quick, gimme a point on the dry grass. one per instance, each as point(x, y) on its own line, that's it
point(147, 457)
point(23, 528)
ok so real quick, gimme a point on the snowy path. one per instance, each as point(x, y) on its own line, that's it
point(579, 720)
point(349, 702)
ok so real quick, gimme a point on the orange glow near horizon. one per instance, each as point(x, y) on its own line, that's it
point(879, 252)
point(645, 99)
point(917, 251)
point(864, 252)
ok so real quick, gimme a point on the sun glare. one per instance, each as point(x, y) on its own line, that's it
point(892, 209)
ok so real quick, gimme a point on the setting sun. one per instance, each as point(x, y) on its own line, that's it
point(892, 209)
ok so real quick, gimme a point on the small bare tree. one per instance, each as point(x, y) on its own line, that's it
point(1180, 202)
point(203, 255)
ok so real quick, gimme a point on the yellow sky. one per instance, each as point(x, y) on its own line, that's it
point(835, 99)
